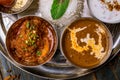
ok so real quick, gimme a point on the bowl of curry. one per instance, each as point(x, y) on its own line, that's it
point(31, 41)
point(86, 43)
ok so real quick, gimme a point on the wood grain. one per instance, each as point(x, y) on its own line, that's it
point(110, 71)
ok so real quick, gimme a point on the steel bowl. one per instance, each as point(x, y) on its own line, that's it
point(18, 6)
point(14, 29)
point(105, 57)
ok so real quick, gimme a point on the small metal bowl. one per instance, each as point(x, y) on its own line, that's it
point(109, 36)
point(14, 31)
point(17, 7)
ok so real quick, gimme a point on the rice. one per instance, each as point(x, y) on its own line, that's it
point(19, 4)
point(71, 14)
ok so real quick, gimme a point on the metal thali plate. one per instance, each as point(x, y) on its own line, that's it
point(58, 67)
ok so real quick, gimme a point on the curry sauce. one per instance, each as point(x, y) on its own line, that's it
point(85, 43)
point(32, 41)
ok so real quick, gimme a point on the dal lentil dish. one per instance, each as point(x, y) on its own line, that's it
point(86, 43)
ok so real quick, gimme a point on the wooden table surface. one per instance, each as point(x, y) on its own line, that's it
point(110, 71)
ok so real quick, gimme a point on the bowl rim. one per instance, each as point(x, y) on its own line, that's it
point(105, 58)
point(54, 48)
point(91, 13)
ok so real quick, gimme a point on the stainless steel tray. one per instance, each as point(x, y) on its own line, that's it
point(58, 67)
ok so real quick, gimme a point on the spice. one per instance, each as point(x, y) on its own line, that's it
point(112, 5)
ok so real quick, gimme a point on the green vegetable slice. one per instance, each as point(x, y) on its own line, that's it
point(58, 8)
point(38, 53)
point(28, 24)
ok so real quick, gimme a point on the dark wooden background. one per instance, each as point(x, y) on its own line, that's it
point(110, 71)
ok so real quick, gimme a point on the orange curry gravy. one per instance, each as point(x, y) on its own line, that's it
point(32, 41)
point(85, 43)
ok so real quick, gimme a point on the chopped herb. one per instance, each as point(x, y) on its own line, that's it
point(32, 36)
point(35, 46)
point(30, 33)
point(24, 49)
point(32, 27)
point(32, 42)
point(38, 53)
point(28, 24)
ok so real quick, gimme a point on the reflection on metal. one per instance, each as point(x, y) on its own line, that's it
point(2, 24)
point(117, 42)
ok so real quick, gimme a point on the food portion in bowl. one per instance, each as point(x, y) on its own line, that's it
point(7, 3)
point(105, 10)
point(61, 12)
point(14, 6)
point(31, 41)
point(86, 43)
